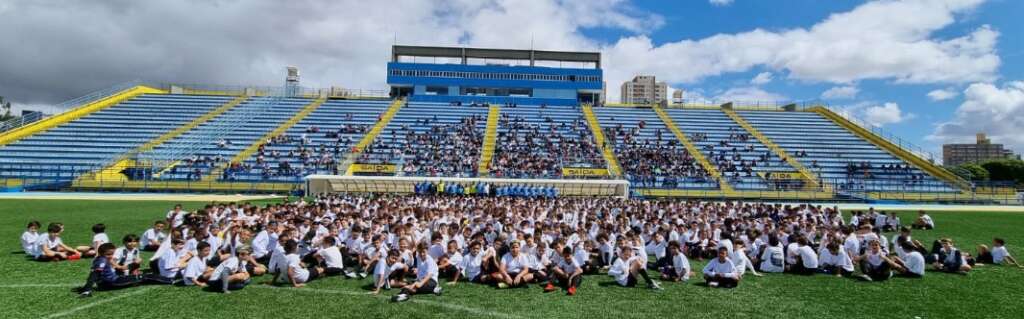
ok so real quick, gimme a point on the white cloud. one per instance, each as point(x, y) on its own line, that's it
point(994, 110)
point(346, 42)
point(720, 2)
point(840, 92)
point(750, 95)
point(888, 113)
point(942, 94)
point(762, 78)
point(892, 40)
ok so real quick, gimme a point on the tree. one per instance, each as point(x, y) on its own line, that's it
point(1005, 170)
point(977, 172)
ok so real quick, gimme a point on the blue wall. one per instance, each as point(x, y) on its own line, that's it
point(492, 83)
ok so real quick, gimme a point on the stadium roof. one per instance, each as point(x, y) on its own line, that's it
point(486, 53)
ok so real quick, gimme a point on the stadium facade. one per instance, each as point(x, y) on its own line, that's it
point(517, 118)
point(477, 75)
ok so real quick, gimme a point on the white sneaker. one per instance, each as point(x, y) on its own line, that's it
point(350, 275)
point(437, 290)
point(866, 277)
point(400, 298)
point(654, 286)
point(362, 275)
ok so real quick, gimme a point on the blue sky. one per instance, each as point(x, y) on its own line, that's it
point(919, 114)
point(931, 71)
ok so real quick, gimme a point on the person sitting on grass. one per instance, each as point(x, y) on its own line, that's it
point(806, 262)
point(232, 273)
point(874, 264)
point(52, 248)
point(678, 266)
point(912, 264)
point(389, 273)
point(773, 260)
point(923, 221)
point(197, 271)
point(834, 261)
point(567, 273)
point(292, 271)
point(152, 238)
point(741, 261)
point(99, 237)
point(950, 259)
point(514, 270)
point(30, 239)
point(102, 274)
point(627, 270)
point(426, 276)
point(169, 263)
point(127, 259)
point(998, 255)
point(720, 271)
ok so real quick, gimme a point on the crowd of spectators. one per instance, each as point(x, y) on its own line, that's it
point(542, 147)
point(646, 162)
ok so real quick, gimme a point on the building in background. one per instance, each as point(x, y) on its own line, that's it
point(478, 75)
point(643, 89)
point(677, 96)
point(983, 150)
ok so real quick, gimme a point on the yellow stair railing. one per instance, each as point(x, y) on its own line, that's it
point(248, 151)
point(372, 134)
point(113, 172)
point(692, 149)
point(606, 150)
point(893, 149)
point(490, 139)
point(809, 176)
point(74, 114)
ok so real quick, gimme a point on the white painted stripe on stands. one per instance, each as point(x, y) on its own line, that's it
point(99, 302)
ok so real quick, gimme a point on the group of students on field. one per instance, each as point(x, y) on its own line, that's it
point(412, 242)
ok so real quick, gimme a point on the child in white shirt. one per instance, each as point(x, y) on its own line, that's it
point(389, 273)
point(567, 273)
point(678, 266)
point(426, 276)
point(30, 239)
point(721, 272)
point(627, 268)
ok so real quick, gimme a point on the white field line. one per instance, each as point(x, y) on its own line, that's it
point(17, 286)
point(99, 302)
point(471, 310)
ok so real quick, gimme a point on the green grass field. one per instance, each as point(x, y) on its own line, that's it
point(37, 290)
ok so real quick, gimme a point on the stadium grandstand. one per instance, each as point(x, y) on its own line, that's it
point(467, 116)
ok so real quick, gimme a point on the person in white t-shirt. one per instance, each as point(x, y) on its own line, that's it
point(449, 263)
point(170, 262)
point(568, 273)
point(772, 258)
point(196, 271)
point(232, 273)
point(998, 255)
point(720, 271)
point(912, 264)
point(50, 247)
point(806, 262)
point(128, 259)
point(99, 237)
point(678, 266)
point(514, 268)
point(472, 265)
point(152, 238)
point(426, 276)
point(293, 271)
point(874, 264)
point(627, 270)
point(30, 239)
point(389, 272)
point(833, 260)
point(923, 221)
point(329, 257)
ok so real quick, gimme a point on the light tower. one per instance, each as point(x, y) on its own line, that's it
point(291, 83)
